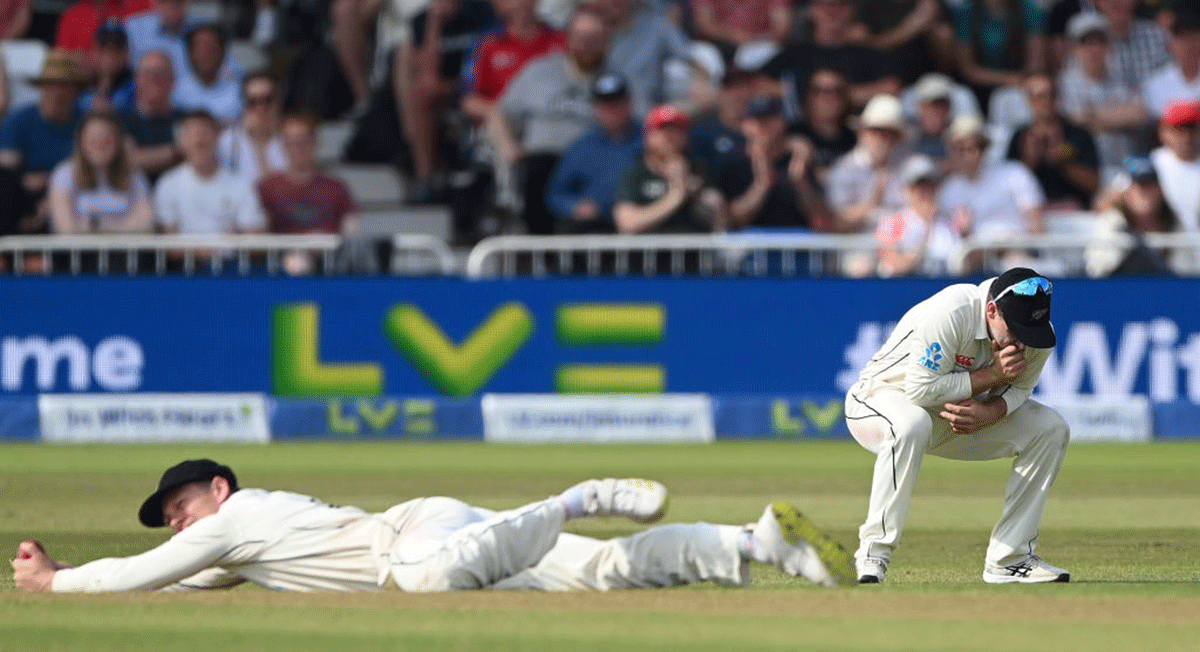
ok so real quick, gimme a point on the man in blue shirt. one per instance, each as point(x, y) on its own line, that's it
point(35, 139)
point(580, 192)
point(201, 86)
point(166, 29)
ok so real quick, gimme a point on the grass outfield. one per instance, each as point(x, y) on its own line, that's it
point(1123, 518)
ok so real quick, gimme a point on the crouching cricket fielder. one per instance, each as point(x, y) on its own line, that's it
point(286, 541)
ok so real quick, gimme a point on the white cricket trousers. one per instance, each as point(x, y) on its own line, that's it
point(444, 544)
point(900, 433)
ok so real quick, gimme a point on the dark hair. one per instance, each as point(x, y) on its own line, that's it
point(844, 96)
point(118, 171)
point(190, 37)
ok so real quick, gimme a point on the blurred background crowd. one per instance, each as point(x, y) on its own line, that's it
point(922, 122)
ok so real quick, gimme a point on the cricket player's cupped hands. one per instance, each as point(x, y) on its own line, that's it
point(1010, 361)
point(33, 569)
point(966, 417)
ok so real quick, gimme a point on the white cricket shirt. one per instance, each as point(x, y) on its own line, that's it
point(277, 539)
point(935, 346)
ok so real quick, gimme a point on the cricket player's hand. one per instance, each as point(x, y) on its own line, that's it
point(33, 569)
point(1010, 361)
point(966, 417)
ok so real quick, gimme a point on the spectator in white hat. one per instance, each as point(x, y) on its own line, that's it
point(987, 199)
point(1095, 99)
point(864, 181)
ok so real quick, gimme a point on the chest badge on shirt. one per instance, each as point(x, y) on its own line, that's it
point(933, 357)
point(964, 360)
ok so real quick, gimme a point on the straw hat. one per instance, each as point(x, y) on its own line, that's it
point(60, 68)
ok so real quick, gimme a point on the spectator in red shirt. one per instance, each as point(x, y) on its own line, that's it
point(300, 199)
point(78, 23)
point(15, 16)
point(733, 23)
point(502, 53)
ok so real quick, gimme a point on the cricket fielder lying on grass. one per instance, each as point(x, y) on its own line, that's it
point(290, 542)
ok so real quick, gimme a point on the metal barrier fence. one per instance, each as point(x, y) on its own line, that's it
point(724, 254)
point(220, 254)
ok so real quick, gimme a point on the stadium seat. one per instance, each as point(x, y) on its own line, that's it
point(373, 186)
point(428, 220)
point(252, 56)
point(333, 138)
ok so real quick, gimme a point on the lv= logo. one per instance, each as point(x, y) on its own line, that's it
point(463, 369)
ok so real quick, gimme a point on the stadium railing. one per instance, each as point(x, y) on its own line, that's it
point(1070, 251)
point(233, 254)
point(726, 254)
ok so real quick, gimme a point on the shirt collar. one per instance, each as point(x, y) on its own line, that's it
point(981, 331)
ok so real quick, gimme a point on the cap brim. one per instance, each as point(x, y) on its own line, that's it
point(1035, 337)
point(151, 513)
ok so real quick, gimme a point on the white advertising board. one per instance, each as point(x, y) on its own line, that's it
point(624, 418)
point(1116, 418)
point(153, 418)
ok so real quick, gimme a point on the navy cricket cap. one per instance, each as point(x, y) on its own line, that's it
point(188, 471)
point(764, 106)
point(1023, 297)
point(610, 87)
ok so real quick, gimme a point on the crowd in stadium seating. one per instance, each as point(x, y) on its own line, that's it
point(922, 121)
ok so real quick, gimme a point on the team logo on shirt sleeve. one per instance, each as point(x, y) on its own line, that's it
point(933, 357)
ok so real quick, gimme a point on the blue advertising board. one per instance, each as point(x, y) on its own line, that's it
point(374, 337)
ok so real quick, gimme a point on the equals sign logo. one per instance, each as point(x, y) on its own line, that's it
point(609, 324)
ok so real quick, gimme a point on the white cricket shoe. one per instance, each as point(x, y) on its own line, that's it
point(798, 548)
point(644, 501)
point(1031, 571)
point(871, 570)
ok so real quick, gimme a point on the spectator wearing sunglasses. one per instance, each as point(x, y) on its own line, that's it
point(252, 148)
point(955, 379)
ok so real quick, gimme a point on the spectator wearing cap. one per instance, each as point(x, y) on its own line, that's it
point(166, 28)
point(1180, 78)
point(1095, 99)
point(662, 191)
point(987, 199)
point(583, 187)
point(833, 45)
point(201, 87)
point(1138, 46)
point(1134, 205)
point(77, 25)
point(1177, 161)
point(715, 138)
point(505, 51)
point(772, 183)
point(934, 97)
point(36, 138)
point(1061, 155)
point(545, 109)
point(640, 42)
point(825, 122)
point(734, 23)
point(919, 238)
point(112, 87)
point(150, 118)
point(1062, 11)
point(864, 181)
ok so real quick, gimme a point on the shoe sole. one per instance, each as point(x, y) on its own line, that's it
point(662, 507)
point(1005, 579)
point(797, 527)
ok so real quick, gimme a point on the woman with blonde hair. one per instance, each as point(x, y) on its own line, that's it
point(97, 189)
